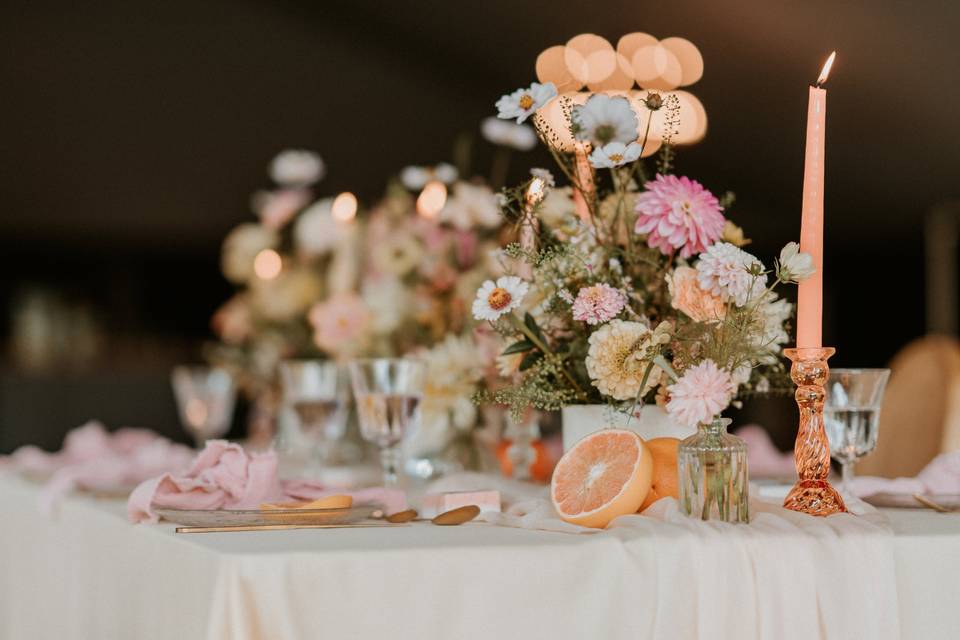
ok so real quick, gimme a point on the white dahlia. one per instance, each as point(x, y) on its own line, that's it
point(724, 270)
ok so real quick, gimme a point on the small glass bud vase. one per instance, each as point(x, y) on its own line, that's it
point(714, 483)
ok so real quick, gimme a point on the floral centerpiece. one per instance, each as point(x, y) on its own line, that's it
point(318, 279)
point(631, 286)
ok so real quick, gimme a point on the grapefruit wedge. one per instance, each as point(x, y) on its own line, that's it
point(605, 475)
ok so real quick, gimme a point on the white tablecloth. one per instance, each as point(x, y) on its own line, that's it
point(90, 574)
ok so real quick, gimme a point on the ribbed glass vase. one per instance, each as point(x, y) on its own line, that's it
point(714, 482)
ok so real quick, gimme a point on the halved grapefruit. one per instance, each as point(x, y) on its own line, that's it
point(666, 480)
point(605, 475)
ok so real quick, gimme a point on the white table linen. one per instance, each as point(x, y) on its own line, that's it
point(90, 574)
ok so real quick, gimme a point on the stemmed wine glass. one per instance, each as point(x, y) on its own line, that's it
point(205, 398)
point(317, 392)
point(851, 416)
point(388, 393)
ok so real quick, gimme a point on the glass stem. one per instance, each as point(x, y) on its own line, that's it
point(390, 461)
point(846, 470)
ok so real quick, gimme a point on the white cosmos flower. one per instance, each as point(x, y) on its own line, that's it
point(296, 168)
point(794, 265)
point(415, 178)
point(316, 232)
point(615, 154)
point(508, 134)
point(545, 175)
point(495, 299)
point(523, 102)
point(471, 206)
point(605, 119)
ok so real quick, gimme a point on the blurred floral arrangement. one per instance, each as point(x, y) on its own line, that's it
point(630, 286)
point(320, 278)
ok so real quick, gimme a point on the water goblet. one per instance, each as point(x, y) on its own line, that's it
point(316, 390)
point(205, 399)
point(851, 416)
point(388, 393)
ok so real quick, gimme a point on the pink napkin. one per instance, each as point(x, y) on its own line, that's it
point(763, 457)
point(942, 475)
point(94, 459)
point(224, 476)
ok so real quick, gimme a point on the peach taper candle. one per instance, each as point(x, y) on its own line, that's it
point(810, 292)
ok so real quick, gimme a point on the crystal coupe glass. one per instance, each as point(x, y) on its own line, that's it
point(851, 416)
point(388, 393)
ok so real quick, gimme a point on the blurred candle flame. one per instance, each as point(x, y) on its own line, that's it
point(268, 264)
point(195, 412)
point(826, 69)
point(535, 192)
point(344, 207)
point(432, 199)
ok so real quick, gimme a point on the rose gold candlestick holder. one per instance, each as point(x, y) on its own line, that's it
point(812, 493)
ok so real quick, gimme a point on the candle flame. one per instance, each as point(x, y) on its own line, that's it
point(344, 208)
point(432, 199)
point(267, 264)
point(826, 69)
point(535, 191)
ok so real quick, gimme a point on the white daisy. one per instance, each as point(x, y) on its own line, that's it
point(605, 119)
point(495, 299)
point(416, 178)
point(296, 168)
point(508, 134)
point(523, 102)
point(615, 154)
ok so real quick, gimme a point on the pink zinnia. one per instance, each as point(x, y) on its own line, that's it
point(678, 213)
point(700, 394)
point(598, 303)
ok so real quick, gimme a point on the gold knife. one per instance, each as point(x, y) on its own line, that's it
point(280, 527)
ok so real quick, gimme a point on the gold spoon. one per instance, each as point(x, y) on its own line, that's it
point(927, 502)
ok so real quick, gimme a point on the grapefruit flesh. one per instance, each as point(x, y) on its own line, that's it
point(605, 475)
point(666, 480)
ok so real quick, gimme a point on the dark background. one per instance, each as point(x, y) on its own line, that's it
point(133, 134)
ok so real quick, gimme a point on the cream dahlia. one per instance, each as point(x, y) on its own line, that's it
point(616, 360)
point(687, 296)
point(495, 299)
point(678, 213)
point(725, 271)
point(701, 393)
point(598, 303)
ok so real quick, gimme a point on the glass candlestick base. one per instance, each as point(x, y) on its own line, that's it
point(812, 493)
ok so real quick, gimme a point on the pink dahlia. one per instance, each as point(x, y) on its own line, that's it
point(678, 213)
point(598, 303)
point(700, 394)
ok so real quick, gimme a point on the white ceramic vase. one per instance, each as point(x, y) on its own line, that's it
point(580, 420)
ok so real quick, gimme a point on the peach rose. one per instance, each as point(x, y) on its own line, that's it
point(687, 296)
